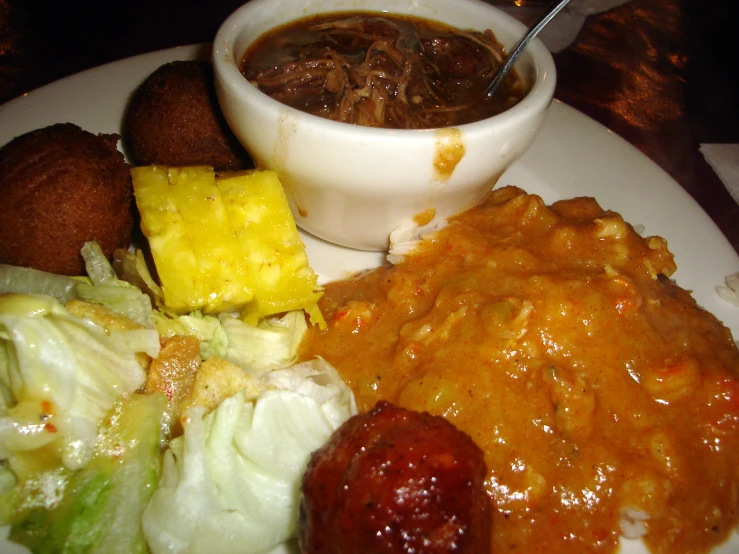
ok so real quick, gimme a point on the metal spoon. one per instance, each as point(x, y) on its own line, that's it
point(530, 35)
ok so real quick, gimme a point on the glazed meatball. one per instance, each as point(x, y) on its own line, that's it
point(62, 186)
point(393, 480)
point(174, 119)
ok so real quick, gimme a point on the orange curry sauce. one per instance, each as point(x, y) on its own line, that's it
point(605, 399)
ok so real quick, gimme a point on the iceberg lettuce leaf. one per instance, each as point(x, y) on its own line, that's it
point(233, 479)
point(106, 289)
point(102, 287)
point(130, 265)
point(60, 375)
point(272, 344)
point(96, 509)
point(25, 280)
point(207, 328)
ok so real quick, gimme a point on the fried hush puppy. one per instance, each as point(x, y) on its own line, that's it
point(62, 186)
point(394, 480)
point(174, 119)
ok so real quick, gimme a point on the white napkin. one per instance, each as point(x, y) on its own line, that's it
point(563, 29)
point(724, 159)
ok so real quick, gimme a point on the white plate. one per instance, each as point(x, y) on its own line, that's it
point(573, 156)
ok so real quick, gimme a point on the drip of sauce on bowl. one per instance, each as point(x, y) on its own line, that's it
point(449, 152)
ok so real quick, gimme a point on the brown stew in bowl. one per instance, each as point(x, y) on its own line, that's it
point(381, 70)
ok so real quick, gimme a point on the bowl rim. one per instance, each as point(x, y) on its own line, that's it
point(536, 100)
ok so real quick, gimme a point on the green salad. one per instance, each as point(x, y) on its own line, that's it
point(94, 458)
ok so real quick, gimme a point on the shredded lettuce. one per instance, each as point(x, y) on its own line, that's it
point(24, 280)
point(271, 344)
point(102, 286)
point(96, 509)
point(130, 265)
point(233, 479)
point(113, 293)
point(207, 328)
point(60, 375)
point(97, 265)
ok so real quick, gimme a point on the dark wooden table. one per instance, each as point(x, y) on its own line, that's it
point(661, 73)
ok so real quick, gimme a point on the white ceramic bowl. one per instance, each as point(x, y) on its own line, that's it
point(353, 185)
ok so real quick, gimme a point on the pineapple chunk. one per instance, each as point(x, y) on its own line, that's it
point(212, 237)
point(276, 263)
point(163, 225)
point(225, 243)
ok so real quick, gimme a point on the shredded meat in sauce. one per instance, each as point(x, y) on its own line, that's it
point(605, 399)
point(382, 71)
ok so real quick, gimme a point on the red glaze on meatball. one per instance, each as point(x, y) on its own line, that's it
point(393, 480)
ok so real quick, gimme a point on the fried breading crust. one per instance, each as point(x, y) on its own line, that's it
point(174, 119)
point(60, 187)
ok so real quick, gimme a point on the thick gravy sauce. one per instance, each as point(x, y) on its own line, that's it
point(606, 401)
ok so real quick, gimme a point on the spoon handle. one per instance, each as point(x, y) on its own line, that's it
point(530, 35)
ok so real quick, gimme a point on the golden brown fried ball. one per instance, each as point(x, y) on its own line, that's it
point(60, 187)
point(174, 119)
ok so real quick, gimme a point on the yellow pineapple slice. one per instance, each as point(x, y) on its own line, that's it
point(212, 237)
point(225, 243)
point(162, 224)
point(276, 263)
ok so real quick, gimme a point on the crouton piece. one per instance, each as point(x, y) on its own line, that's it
point(219, 379)
point(173, 373)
